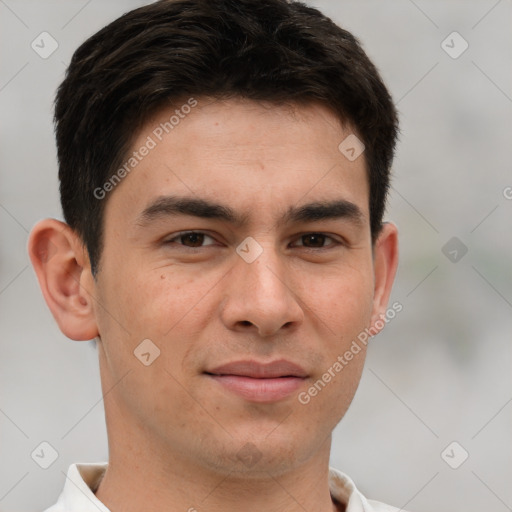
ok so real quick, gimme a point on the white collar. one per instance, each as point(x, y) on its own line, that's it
point(83, 479)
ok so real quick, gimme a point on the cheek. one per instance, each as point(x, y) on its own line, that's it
point(161, 302)
point(343, 300)
point(329, 394)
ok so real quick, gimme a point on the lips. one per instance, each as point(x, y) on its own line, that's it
point(259, 382)
point(275, 369)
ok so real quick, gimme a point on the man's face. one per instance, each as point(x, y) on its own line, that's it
point(285, 294)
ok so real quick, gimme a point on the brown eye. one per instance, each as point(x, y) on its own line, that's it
point(320, 241)
point(192, 239)
point(313, 240)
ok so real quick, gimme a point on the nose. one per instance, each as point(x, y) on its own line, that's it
point(261, 298)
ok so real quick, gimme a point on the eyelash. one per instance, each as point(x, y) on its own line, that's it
point(183, 233)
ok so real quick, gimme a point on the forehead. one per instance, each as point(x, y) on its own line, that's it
point(251, 155)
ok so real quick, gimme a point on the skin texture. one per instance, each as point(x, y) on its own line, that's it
point(178, 440)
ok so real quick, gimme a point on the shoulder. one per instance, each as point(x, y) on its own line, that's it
point(344, 490)
point(55, 508)
point(377, 506)
point(81, 482)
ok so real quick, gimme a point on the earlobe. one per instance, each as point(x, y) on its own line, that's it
point(58, 258)
point(385, 266)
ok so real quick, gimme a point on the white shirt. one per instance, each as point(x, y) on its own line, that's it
point(83, 479)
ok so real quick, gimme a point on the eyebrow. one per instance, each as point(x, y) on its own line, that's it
point(168, 206)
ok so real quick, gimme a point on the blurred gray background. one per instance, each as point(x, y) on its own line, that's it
point(439, 373)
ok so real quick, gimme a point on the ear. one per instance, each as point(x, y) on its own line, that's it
point(62, 266)
point(385, 263)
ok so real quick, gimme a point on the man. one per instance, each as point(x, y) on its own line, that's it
point(224, 166)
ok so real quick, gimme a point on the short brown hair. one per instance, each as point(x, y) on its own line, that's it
point(265, 50)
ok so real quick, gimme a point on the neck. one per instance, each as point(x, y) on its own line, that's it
point(152, 469)
point(144, 479)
